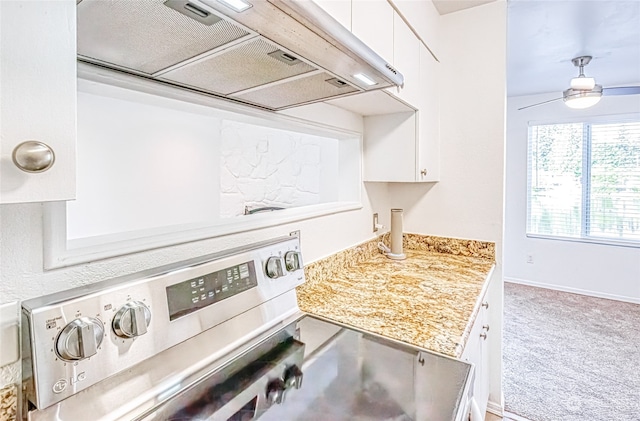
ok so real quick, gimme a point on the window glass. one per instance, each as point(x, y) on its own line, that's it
point(584, 181)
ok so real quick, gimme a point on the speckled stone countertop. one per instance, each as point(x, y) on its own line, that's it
point(429, 300)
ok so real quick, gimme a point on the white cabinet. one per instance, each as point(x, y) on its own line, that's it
point(390, 147)
point(406, 58)
point(372, 22)
point(476, 352)
point(405, 147)
point(38, 96)
point(424, 18)
point(428, 117)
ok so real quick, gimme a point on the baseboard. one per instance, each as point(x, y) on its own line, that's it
point(573, 290)
point(495, 408)
point(513, 417)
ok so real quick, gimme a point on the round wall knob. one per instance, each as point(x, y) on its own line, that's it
point(33, 156)
point(131, 320)
point(80, 339)
point(274, 267)
point(293, 260)
point(485, 304)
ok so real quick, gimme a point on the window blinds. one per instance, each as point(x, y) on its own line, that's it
point(584, 181)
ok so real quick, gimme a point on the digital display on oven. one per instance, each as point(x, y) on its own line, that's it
point(194, 294)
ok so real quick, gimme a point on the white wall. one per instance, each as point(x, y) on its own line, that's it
point(21, 241)
point(468, 201)
point(585, 268)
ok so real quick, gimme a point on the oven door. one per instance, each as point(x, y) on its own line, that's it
point(327, 372)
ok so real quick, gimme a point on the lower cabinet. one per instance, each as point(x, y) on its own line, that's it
point(476, 352)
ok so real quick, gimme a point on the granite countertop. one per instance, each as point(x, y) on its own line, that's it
point(429, 300)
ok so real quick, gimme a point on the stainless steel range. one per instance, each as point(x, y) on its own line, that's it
point(220, 337)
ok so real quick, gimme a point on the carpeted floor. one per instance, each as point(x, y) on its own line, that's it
point(570, 357)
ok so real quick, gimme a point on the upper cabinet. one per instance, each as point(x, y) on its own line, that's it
point(38, 100)
point(428, 117)
point(406, 52)
point(424, 19)
point(372, 22)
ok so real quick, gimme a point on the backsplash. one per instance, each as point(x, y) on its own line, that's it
point(10, 364)
point(337, 263)
point(261, 166)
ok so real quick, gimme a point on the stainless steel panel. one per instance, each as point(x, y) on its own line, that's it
point(57, 379)
point(148, 38)
point(236, 69)
point(145, 36)
point(295, 92)
point(138, 391)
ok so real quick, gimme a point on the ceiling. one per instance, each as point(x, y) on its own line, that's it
point(544, 35)
point(450, 6)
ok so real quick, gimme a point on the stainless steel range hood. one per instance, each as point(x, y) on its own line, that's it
point(275, 54)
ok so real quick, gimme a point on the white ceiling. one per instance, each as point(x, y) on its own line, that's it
point(544, 35)
point(450, 6)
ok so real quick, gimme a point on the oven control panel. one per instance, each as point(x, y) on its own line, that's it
point(79, 337)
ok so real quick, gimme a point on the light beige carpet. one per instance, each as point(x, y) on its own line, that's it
point(570, 357)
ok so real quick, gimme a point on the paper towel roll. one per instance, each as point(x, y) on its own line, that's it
point(396, 235)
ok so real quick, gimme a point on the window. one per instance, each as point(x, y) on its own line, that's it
point(584, 181)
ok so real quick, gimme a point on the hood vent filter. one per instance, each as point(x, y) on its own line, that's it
point(264, 56)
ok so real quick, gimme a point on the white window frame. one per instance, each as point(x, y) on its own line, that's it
point(586, 177)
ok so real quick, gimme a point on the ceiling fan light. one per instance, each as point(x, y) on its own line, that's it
point(580, 99)
point(583, 83)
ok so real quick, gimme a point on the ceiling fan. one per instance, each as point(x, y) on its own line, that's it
point(584, 92)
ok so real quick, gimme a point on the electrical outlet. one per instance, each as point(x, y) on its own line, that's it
point(529, 258)
point(375, 222)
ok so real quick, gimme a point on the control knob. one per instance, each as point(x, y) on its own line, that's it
point(132, 320)
point(293, 377)
point(275, 392)
point(80, 339)
point(274, 267)
point(293, 261)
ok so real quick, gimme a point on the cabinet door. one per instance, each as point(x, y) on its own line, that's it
point(476, 352)
point(390, 147)
point(406, 58)
point(372, 22)
point(424, 18)
point(428, 118)
point(38, 96)
point(340, 10)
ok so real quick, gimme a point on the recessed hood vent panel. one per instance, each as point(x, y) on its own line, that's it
point(274, 55)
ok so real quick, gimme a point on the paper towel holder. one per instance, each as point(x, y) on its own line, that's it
point(396, 252)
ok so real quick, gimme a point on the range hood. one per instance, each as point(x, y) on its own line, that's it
point(274, 54)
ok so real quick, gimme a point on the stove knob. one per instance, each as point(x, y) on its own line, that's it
point(275, 392)
point(132, 320)
point(274, 267)
point(293, 377)
point(80, 339)
point(293, 261)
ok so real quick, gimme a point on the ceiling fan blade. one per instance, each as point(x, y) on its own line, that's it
point(622, 90)
point(539, 103)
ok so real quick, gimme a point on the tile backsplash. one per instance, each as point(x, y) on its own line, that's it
point(10, 365)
